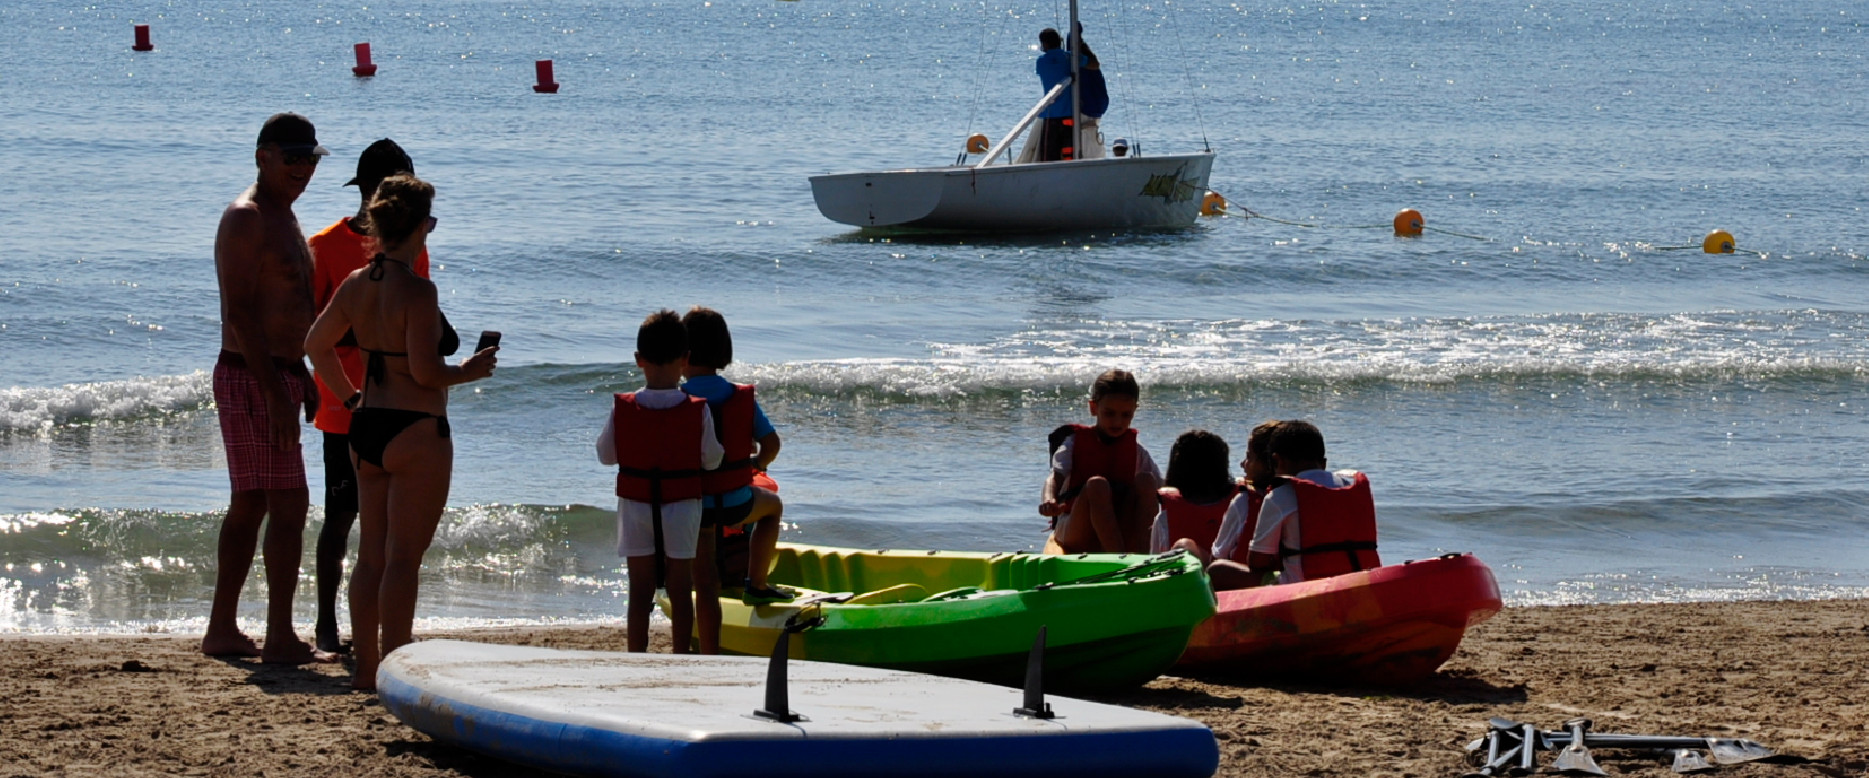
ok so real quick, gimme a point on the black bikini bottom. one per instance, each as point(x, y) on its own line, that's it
point(371, 429)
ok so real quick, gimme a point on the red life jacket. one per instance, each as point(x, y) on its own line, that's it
point(733, 426)
point(1091, 457)
point(1199, 523)
point(661, 462)
point(1336, 528)
point(1243, 547)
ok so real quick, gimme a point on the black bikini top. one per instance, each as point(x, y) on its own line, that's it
point(375, 368)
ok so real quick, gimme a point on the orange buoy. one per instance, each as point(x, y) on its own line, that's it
point(1408, 223)
point(546, 84)
point(142, 39)
point(978, 144)
point(1213, 204)
point(365, 68)
point(1718, 242)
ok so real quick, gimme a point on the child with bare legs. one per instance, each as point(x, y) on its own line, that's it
point(661, 440)
point(729, 498)
point(1101, 491)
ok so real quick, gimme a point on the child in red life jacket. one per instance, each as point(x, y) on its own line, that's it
point(1228, 569)
point(729, 498)
point(1315, 523)
point(1198, 492)
point(661, 441)
point(1101, 491)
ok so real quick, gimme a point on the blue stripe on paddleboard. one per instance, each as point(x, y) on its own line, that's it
point(589, 751)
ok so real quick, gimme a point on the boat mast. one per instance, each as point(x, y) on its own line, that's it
point(1077, 93)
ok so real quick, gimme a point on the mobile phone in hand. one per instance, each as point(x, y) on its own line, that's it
point(488, 339)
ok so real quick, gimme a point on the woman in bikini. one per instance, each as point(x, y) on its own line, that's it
point(399, 427)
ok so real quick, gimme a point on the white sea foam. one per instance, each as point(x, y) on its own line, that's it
point(1412, 350)
point(42, 408)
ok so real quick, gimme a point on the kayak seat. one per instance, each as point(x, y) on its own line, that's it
point(907, 592)
point(955, 594)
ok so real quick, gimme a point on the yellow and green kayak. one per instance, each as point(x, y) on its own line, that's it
point(1113, 620)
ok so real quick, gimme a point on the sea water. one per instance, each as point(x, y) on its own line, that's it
point(1548, 380)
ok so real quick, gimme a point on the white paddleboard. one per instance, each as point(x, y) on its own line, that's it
point(599, 713)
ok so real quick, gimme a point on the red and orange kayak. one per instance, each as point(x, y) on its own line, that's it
point(1389, 625)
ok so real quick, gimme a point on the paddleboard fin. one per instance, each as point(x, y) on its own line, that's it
point(778, 702)
point(1035, 705)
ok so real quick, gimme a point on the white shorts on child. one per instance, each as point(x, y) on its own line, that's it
point(681, 528)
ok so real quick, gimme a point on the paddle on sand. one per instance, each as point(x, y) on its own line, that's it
point(1724, 750)
point(1575, 758)
point(1687, 760)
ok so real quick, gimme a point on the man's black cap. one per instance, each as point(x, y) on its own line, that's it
point(383, 159)
point(292, 133)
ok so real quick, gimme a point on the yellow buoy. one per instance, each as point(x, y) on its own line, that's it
point(1213, 204)
point(978, 144)
point(1408, 223)
point(1718, 242)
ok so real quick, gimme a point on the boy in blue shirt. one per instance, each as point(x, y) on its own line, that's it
point(730, 499)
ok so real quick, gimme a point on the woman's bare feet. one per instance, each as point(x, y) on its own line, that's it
point(233, 644)
point(363, 677)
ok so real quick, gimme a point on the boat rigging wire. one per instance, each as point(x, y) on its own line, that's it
point(1187, 74)
point(980, 71)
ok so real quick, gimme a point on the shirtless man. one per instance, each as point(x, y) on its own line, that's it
point(260, 384)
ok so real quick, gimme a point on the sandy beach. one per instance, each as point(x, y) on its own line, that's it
point(1787, 674)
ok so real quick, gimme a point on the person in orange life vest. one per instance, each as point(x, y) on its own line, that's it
point(1228, 568)
point(662, 440)
point(730, 499)
point(1199, 489)
point(1317, 523)
point(339, 250)
point(1101, 491)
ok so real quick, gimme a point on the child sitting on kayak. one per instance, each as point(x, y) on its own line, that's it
point(1227, 569)
point(730, 499)
point(661, 440)
point(1196, 495)
point(1313, 524)
point(1101, 491)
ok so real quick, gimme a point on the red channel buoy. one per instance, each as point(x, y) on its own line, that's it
point(545, 85)
point(142, 39)
point(365, 68)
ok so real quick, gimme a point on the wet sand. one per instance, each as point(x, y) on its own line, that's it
point(1790, 675)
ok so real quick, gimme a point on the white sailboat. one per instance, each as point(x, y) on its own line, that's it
point(1131, 191)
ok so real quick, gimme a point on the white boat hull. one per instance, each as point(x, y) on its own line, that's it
point(1115, 192)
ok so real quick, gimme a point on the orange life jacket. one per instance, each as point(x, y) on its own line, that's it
point(1336, 528)
point(1199, 523)
point(733, 426)
point(1091, 457)
point(661, 462)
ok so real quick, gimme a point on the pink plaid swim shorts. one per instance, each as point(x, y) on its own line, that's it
point(252, 460)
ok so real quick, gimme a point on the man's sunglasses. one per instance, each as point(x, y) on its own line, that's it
point(307, 158)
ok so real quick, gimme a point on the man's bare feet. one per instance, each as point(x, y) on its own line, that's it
point(328, 642)
point(234, 644)
point(294, 652)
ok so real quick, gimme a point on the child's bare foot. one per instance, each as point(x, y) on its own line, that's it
point(294, 652)
point(232, 644)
